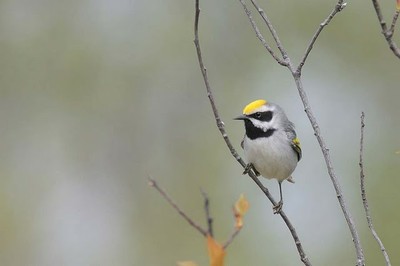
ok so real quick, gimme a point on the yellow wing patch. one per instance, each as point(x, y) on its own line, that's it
point(253, 105)
point(296, 147)
point(296, 142)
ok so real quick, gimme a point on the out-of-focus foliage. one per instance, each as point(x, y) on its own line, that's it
point(96, 95)
point(239, 209)
point(216, 252)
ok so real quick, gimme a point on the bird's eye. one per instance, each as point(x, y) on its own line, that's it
point(258, 114)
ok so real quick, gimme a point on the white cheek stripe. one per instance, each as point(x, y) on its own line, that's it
point(262, 124)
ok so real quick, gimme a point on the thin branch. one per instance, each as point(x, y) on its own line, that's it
point(232, 237)
point(331, 171)
point(234, 153)
point(394, 20)
point(338, 7)
point(379, 14)
point(238, 227)
point(207, 210)
point(296, 72)
point(387, 33)
point(210, 96)
point(364, 194)
point(272, 31)
point(260, 37)
point(153, 183)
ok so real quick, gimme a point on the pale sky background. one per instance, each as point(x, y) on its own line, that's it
point(97, 95)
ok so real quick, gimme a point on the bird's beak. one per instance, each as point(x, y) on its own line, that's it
point(240, 117)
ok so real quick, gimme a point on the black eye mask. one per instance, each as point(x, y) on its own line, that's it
point(254, 132)
point(263, 116)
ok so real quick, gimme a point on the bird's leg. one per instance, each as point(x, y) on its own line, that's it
point(250, 167)
point(278, 207)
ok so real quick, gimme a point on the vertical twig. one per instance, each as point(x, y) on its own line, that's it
point(221, 128)
point(331, 171)
point(209, 219)
point(364, 194)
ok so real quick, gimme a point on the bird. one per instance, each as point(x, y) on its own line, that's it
point(271, 146)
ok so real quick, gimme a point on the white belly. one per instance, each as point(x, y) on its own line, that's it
point(273, 157)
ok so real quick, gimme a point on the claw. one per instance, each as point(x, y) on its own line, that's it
point(278, 207)
point(250, 167)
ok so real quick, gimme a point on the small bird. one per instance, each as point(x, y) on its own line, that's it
point(270, 144)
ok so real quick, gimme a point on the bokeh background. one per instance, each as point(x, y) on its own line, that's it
point(95, 96)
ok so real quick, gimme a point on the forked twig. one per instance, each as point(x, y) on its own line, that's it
point(296, 73)
point(261, 38)
point(207, 211)
point(154, 184)
point(387, 33)
point(364, 194)
point(234, 153)
point(271, 30)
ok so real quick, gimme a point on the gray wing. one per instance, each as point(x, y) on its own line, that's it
point(291, 133)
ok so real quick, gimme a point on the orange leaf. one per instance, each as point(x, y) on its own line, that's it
point(216, 252)
point(398, 5)
point(240, 208)
point(186, 263)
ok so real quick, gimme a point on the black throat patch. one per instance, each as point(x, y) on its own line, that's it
point(254, 132)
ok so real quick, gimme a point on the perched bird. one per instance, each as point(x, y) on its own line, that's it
point(270, 144)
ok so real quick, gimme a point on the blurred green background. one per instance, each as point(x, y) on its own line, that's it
point(95, 96)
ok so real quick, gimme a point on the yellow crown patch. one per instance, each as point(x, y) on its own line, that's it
point(253, 105)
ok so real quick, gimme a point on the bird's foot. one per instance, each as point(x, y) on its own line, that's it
point(278, 207)
point(250, 167)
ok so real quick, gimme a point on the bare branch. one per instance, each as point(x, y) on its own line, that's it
point(207, 210)
point(232, 237)
point(387, 33)
point(394, 20)
point(210, 96)
point(272, 31)
point(296, 72)
point(153, 183)
point(325, 151)
point(331, 171)
point(338, 7)
point(234, 153)
point(260, 37)
point(364, 194)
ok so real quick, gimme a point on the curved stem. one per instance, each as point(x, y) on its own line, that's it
point(234, 153)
